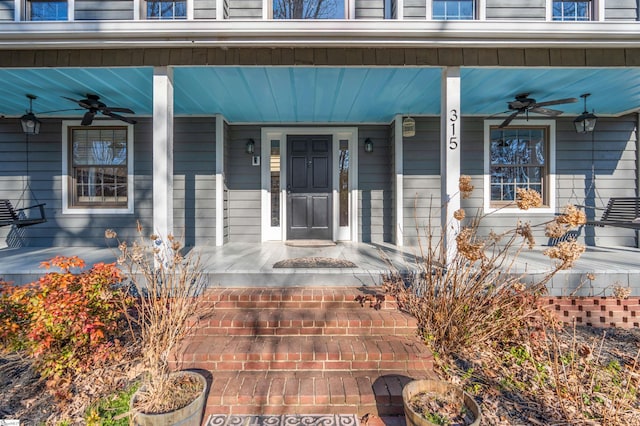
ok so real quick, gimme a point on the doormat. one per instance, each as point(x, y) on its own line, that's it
point(314, 262)
point(283, 420)
point(310, 243)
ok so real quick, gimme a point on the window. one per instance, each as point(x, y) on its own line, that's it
point(454, 9)
point(308, 9)
point(518, 158)
point(98, 167)
point(47, 10)
point(571, 10)
point(166, 9)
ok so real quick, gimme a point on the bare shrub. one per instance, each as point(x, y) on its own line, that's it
point(167, 284)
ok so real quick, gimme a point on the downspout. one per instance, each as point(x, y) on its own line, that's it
point(638, 166)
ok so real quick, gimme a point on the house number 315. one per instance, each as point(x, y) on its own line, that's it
point(453, 139)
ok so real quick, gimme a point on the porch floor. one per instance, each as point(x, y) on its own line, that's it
point(252, 264)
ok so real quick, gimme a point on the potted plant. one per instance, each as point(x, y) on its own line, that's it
point(436, 402)
point(166, 284)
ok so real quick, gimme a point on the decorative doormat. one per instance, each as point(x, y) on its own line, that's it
point(283, 420)
point(310, 243)
point(314, 262)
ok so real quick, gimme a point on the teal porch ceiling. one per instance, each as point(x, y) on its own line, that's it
point(316, 94)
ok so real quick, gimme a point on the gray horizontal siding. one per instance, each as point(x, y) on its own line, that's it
point(45, 167)
point(369, 9)
point(621, 10)
point(243, 183)
point(7, 8)
point(375, 180)
point(516, 10)
point(88, 10)
point(204, 9)
point(194, 192)
point(245, 9)
point(415, 9)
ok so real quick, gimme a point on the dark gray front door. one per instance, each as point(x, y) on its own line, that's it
point(309, 187)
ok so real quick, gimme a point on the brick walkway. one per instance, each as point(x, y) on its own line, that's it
point(305, 351)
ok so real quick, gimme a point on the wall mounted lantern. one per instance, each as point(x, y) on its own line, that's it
point(368, 145)
point(585, 122)
point(30, 124)
point(408, 127)
point(250, 147)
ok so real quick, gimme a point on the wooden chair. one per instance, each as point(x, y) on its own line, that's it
point(10, 216)
point(621, 212)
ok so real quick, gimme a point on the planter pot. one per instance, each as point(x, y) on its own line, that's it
point(190, 415)
point(439, 387)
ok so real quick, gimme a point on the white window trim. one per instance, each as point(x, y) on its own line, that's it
point(339, 233)
point(551, 174)
point(597, 10)
point(66, 205)
point(140, 11)
point(481, 10)
point(20, 10)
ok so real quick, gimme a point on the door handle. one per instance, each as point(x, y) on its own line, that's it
point(288, 189)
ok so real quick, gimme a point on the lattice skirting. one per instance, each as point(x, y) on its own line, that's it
point(283, 420)
point(596, 311)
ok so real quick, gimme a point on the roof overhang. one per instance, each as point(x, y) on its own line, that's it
point(321, 33)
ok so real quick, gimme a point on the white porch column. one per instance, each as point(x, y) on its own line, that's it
point(219, 180)
point(163, 151)
point(399, 180)
point(450, 131)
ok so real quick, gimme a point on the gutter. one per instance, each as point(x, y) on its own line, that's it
point(343, 33)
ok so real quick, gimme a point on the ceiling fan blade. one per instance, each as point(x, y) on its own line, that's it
point(500, 113)
point(88, 118)
point(556, 102)
point(116, 109)
point(119, 117)
point(82, 102)
point(546, 111)
point(508, 120)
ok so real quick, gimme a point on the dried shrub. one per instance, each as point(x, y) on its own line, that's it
point(167, 283)
point(465, 186)
point(563, 223)
point(528, 198)
point(566, 252)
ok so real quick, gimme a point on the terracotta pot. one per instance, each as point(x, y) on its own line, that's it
point(190, 415)
point(435, 386)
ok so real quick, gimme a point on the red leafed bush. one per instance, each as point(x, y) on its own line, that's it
point(67, 321)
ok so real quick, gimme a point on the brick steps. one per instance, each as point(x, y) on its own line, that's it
point(321, 350)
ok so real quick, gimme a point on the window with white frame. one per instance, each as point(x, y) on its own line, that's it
point(518, 158)
point(47, 10)
point(309, 9)
point(98, 167)
point(564, 10)
point(162, 9)
point(454, 9)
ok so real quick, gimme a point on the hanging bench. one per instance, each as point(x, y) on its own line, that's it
point(621, 212)
point(10, 216)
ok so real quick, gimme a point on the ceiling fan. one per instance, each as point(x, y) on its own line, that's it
point(523, 104)
point(93, 104)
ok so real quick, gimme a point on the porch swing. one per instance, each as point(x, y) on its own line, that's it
point(10, 216)
point(620, 212)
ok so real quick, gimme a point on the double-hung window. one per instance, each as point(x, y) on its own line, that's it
point(47, 10)
point(519, 156)
point(161, 9)
point(308, 9)
point(98, 168)
point(454, 9)
point(572, 10)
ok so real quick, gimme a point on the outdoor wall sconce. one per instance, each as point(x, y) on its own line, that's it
point(408, 127)
point(30, 124)
point(585, 122)
point(368, 145)
point(250, 147)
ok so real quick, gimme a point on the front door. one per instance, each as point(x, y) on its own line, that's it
point(309, 188)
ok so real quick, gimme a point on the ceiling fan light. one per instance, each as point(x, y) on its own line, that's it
point(30, 124)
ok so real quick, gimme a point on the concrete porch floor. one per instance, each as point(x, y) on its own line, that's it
point(250, 265)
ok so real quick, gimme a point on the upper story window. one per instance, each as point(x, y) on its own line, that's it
point(519, 156)
point(572, 10)
point(308, 9)
point(454, 9)
point(47, 10)
point(161, 9)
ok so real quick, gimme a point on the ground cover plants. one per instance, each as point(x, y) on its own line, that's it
point(490, 334)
